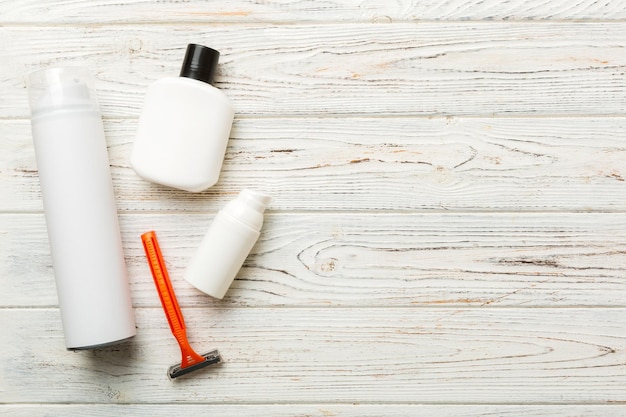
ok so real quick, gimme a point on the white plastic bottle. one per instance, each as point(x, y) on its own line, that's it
point(79, 205)
point(184, 126)
point(224, 248)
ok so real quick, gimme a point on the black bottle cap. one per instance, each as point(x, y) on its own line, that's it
point(200, 63)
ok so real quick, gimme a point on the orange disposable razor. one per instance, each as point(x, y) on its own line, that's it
point(191, 360)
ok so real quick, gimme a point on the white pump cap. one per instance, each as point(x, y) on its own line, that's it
point(248, 208)
point(228, 242)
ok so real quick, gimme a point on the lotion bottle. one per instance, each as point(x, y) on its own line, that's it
point(184, 126)
point(232, 234)
point(79, 205)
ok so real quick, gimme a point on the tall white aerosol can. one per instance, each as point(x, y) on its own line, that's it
point(79, 205)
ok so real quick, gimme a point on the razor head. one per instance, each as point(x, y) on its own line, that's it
point(210, 358)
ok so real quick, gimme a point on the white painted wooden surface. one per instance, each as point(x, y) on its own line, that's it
point(448, 234)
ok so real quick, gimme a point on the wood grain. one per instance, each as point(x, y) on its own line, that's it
point(312, 410)
point(353, 355)
point(241, 11)
point(447, 235)
point(364, 164)
point(487, 260)
point(344, 69)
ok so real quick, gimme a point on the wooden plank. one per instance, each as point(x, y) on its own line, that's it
point(306, 355)
point(313, 410)
point(438, 164)
point(506, 259)
point(344, 69)
point(243, 11)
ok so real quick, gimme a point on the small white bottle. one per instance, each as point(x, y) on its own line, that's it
point(81, 217)
point(184, 126)
point(225, 247)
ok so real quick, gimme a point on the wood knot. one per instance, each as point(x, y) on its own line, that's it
point(328, 265)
